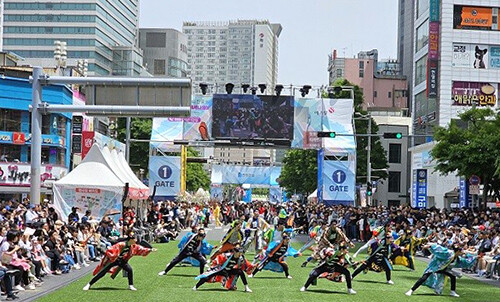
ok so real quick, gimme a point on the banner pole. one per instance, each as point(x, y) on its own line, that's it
point(183, 168)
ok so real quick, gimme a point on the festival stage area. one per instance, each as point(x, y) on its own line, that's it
point(267, 286)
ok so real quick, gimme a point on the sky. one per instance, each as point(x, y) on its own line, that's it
point(311, 28)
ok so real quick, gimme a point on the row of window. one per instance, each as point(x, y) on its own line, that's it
point(49, 54)
point(49, 6)
point(13, 153)
point(49, 18)
point(48, 42)
point(10, 121)
point(48, 30)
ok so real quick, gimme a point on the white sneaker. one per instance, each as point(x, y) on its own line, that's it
point(408, 293)
point(30, 286)
point(250, 276)
point(303, 289)
point(390, 282)
point(194, 288)
point(351, 291)
point(86, 287)
point(131, 287)
point(77, 266)
point(86, 264)
point(162, 273)
point(19, 288)
point(247, 289)
point(289, 277)
point(454, 294)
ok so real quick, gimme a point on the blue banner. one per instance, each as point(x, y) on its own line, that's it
point(216, 193)
point(275, 195)
point(419, 189)
point(228, 174)
point(465, 197)
point(247, 197)
point(434, 10)
point(339, 182)
point(321, 156)
point(165, 174)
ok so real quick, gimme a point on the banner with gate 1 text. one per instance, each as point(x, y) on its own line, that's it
point(228, 174)
point(339, 182)
point(216, 192)
point(275, 195)
point(165, 174)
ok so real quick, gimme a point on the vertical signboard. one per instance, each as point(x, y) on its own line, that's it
point(464, 193)
point(165, 174)
point(420, 188)
point(339, 183)
point(433, 57)
point(321, 159)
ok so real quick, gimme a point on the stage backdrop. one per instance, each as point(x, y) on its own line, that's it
point(228, 174)
point(165, 174)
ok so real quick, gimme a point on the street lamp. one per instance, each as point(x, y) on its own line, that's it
point(368, 149)
point(332, 90)
point(60, 53)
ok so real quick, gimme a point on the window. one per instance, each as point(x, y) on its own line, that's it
point(10, 120)
point(375, 94)
point(159, 67)
point(422, 6)
point(395, 153)
point(156, 39)
point(361, 73)
point(420, 70)
point(389, 94)
point(10, 153)
point(339, 72)
point(422, 36)
point(361, 64)
point(394, 182)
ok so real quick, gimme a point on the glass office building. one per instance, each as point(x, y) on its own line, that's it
point(91, 28)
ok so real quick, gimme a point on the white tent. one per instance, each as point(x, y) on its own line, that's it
point(92, 185)
point(313, 196)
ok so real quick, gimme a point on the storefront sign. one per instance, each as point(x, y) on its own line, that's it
point(76, 144)
point(5, 137)
point(15, 174)
point(468, 93)
point(433, 41)
point(18, 138)
point(432, 81)
point(476, 17)
point(419, 189)
point(77, 124)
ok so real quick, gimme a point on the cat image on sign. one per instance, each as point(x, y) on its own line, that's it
point(479, 61)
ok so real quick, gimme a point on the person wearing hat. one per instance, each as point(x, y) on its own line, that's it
point(117, 257)
point(441, 264)
point(331, 237)
point(226, 269)
point(193, 245)
point(333, 265)
point(275, 256)
point(405, 256)
point(233, 236)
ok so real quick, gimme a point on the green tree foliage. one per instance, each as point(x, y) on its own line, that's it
point(470, 146)
point(378, 156)
point(196, 176)
point(300, 171)
point(140, 128)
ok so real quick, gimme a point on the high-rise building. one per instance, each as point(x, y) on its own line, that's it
point(95, 30)
point(238, 52)
point(406, 18)
point(165, 51)
point(382, 83)
point(456, 66)
point(1, 25)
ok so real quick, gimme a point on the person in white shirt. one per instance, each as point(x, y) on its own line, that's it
point(31, 215)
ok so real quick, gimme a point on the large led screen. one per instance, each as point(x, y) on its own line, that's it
point(251, 117)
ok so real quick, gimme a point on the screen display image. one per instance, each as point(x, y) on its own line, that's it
point(250, 117)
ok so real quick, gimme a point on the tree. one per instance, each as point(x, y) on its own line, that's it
point(196, 176)
point(300, 171)
point(140, 128)
point(378, 156)
point(470, 146)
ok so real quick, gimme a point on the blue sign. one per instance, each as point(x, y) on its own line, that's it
point(216, 193)
point(247, 197)
point(165, 174)
point(339, 183)
point(321, 159)
point(494, 57)
point(475, 180)
point(434, 10)
point(465, 197)
point(419, 189)
point(275, 195)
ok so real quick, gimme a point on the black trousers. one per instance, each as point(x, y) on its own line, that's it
point(122, 264)
point(225, 273)
point(453, 279)
point(182, 256)
point(22, 276)
point(315, 273)
point(283, 265)
point(368, 263)
point(5, 276)
point(55, 257)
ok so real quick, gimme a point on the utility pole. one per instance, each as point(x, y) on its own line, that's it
point(368, 160)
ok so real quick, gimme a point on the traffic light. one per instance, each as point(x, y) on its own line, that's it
point(327, 134)
point(369, 191)
point(396, 135)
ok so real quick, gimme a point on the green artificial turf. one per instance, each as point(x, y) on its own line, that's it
point(266, 286)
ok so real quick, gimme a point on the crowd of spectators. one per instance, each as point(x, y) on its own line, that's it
point(36, 243)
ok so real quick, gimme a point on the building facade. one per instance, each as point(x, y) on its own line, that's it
point(456, 66)
point(91, 29)
point(165, 51)
point(1, 25)
point(238, 52)
point(15, 138)
point(406, 20)
point(381, 81)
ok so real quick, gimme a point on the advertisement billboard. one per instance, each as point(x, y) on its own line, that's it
point(165, 174)
point(468, 93)
point(248, 117)
point(471, 17)
point(475, 56)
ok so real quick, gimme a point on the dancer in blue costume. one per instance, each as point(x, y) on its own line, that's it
point(274, 259)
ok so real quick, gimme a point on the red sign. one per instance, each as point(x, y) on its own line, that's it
point(87, 142)
point(18, 138)
point(88, 190)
